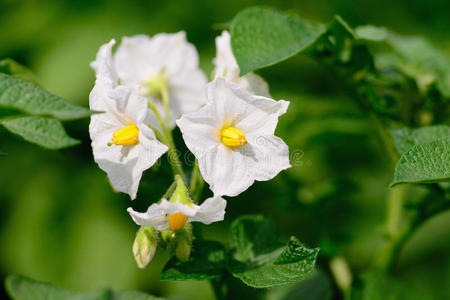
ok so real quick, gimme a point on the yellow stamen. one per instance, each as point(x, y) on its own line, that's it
point(233, 137)
point(128, 135)
point(177, 221)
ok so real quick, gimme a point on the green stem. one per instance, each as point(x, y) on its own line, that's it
point(196, 182)
point(158, 134)
point(174, 159)
point(166, 103)
point(170, 190)
point(388, 256)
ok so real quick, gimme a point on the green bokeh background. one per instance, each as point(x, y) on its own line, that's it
point(61, 222)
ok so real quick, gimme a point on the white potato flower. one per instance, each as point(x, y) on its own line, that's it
point(233, 138)
point(174, 215)
point(122, 144)
point(147, 63)
point(227, 67)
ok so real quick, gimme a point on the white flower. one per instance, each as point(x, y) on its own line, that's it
point(174, 215)
point(144, 64)
point(227, 67)
point(233, 138)
point(122, 144)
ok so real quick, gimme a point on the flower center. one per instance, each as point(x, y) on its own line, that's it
point(177, 221)
point(128, 135)
point(233, 137)
point(155, 84)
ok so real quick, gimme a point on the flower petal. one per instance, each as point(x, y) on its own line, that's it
point(154, 216)
point(225, 63)
point(266, 156)
point(123, 164)
point(200, 130)
point(225, 170)
point(211, 210)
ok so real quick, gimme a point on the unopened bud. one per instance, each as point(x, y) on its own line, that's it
point(183, 250)
point(144, 246)
point(181, 193)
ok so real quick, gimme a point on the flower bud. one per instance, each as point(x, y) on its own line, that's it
point(144, 246)
point(183, 250)
point(181, 193)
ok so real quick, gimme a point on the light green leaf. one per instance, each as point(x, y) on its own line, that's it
point(48, 133)
point(23, 288)
point(371, 33)
point(261, 37)
point(31, 99)
point(260, 262)
point(11, 67)
point(208, 261)
point(424, 163)
point(406, 138)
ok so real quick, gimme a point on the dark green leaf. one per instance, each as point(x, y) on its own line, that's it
point(252, 236)
point(208, 261)
point(47, 133)
point(22, 288)
point(406, 138)
point(31, 99)
point(381, 286)
point(259, 261)
point(261, 37)
point(424, 163)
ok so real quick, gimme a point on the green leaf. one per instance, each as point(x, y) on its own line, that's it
point(371, 33)
point(422, 61)
point(23, 288)
point(406, 138)
point(261, 37)
point(11, 67)
point(260, 262)
point(424, 163)
point(316, 286)
point(45, 132)
point(31, 99)
point(208, 261)
point(382, 286)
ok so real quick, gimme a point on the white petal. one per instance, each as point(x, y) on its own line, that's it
point(154, 216)
point(174, 207)
point(266, 156)
point(225, 170)
point(255, 84)
point(123, 164)
point(225, 63)
point(247, 112)
point(211, 210)
point(140, 57)
point(103, 65)
point(200, 130)
point(227, 67)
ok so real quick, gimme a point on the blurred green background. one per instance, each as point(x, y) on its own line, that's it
point(61, 222)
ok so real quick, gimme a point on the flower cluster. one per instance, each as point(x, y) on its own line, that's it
point(148, 86)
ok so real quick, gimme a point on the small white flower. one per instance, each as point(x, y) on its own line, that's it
point(227, 67)
point(144, 64)
point(233, 138)
point(174, 215)
point(122, 144)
